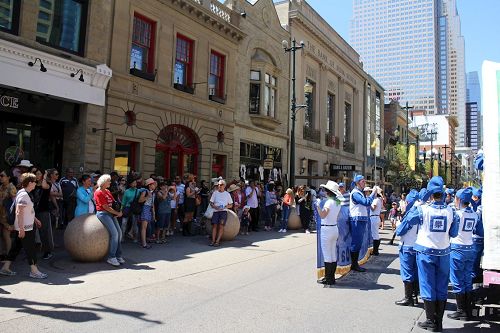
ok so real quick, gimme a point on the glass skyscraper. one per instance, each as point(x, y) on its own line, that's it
point(415, 50)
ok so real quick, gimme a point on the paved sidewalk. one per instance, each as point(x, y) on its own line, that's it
point(264, 282)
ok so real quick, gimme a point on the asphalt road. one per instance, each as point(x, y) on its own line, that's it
point(265, 282)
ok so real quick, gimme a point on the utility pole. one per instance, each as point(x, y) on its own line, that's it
point(432, 151)
point(407, 108)
point(445, 163)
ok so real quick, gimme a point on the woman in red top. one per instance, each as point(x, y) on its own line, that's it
point(106, 214)
point(288, 201)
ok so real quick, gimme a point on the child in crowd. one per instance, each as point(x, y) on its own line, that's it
point(245, 220)
point(393, 215)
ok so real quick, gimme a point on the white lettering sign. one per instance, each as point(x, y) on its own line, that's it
point(9, 102)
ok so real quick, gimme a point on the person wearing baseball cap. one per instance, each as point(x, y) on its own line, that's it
point(462, 255)
point(436, 225)
point(358, 218)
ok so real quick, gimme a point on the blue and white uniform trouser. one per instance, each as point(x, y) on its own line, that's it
point(358, 227)
point(461, 266)
point(374, 224)
point(408, 264)
point(478, 253)
point(329, 236)
point(433, 275)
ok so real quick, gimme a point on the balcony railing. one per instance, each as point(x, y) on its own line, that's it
point(349, 147)
point(312, 134)
point(331, 140)
point(216, 7)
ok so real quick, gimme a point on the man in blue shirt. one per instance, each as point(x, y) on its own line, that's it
point(358, 218)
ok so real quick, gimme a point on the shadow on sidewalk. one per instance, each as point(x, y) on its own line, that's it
point(69, 312)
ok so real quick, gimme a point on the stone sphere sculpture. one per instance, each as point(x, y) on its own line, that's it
point(231, 228)
point(86, 238)
point(294, 220)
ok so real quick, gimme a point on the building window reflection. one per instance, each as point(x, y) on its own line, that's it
point(61, 24)
point(9, 16)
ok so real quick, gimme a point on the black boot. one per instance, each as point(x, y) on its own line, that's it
point(469, 304)
point(430, 314)
point(188, 226)
point(408, 299)
point(328, 274)
point(354, 263)
point(332, 273)
point(440, 306)
point(461, 313)
point(324, 279)
point(416, 289)
point(184, 229)
point(376, 244)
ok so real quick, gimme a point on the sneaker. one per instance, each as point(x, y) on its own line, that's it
point(38, 275)
point(47, 256)
point(120, 260)
point(113, 262)
point(281, 230)
point(307, 231)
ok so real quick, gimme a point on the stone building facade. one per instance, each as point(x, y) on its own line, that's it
point(330, 135)
point(53, 81)
point(262, 88)
point(172, 100)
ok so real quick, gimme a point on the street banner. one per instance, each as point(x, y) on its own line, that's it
point(411, 157)
point(343, 243)
point(435, 168)
point(491, 149)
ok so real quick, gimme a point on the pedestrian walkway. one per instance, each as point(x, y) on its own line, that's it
point(265, 282)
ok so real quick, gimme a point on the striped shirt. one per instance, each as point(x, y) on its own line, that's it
point(345, 199)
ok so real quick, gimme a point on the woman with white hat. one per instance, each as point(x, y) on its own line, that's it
point(329, 230)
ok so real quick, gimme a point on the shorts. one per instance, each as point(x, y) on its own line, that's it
point(219, 217)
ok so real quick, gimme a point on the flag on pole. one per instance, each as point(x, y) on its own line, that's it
point(411, 157)
point(435, 168)
point(375, 145)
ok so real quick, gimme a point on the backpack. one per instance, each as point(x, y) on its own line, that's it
point(135, 205)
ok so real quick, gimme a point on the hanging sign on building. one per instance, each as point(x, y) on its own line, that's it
point(342, 167)
point(268, 164)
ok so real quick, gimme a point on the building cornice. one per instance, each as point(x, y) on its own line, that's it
point(212, 14)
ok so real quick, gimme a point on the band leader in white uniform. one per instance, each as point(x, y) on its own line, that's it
point(329, 229)
point(375, 209)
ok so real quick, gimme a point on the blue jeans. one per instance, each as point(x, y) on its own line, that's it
point(115, 233)
point(285, 216)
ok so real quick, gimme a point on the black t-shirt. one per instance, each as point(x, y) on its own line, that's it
point(41, 197)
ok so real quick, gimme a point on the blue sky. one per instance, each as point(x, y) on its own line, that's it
point(480, 26)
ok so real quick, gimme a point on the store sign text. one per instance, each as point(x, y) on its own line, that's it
point(9, 102)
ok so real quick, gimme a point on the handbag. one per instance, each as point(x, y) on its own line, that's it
point(116, 205)
point(198, 200)
point(135, 206)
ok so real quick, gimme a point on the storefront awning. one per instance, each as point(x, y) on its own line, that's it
point(56, 80)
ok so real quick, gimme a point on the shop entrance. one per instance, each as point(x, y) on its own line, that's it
point(177, 152)
point(28, 138)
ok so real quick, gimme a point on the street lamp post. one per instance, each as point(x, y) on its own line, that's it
point(292, 50)
point(445, 147)
point(432, 151)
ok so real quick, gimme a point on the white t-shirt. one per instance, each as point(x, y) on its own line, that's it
point(23, 200)
point(377, 202)
point(252, 201)
point(221, 199)
point(333, 213)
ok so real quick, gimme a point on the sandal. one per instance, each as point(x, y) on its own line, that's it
point(216, 244)
point(147, 246)
point(7, 272)
point(211, 244)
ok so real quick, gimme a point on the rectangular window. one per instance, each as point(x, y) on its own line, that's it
point(330, 114)
point(9, 16)
point(62, 24)
point(216, 79)
point(254, 98)
point(126, 153)
point(183, 72)
point(270, 95)
point(143, 42)
point(309, 112)
point(347, 123)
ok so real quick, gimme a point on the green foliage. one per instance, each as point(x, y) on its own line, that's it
point(399, 171)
